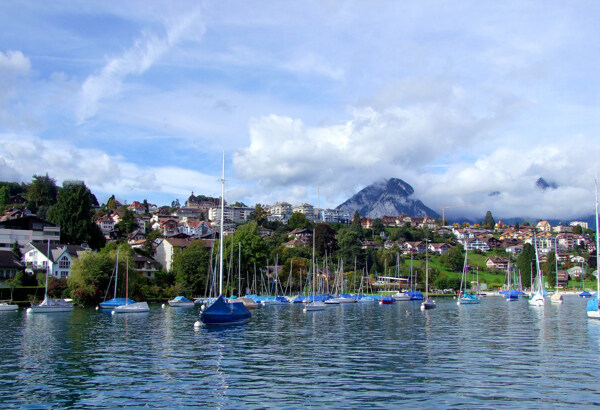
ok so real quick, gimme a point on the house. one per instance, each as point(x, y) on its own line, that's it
point(302, 235)
point(414, 247)
point(54, 258)
point(494, 243)
point(166, 249)
point(262, 231)
point(168, 226)
point(106, 225)
point(145, 265)
point(10, 265)
point(14, 214)
point(475, 244)
point(462, 234)
point(294, 243)
point(371, 245)
point(576, 272)
point(137, 208)
point(543, 226)
point(439, 248)
point(514, 249)
point(499, 263)
point(563, 278)
point(135, 236)
point(195, 228)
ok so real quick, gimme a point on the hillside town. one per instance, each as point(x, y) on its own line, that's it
point(158, 233)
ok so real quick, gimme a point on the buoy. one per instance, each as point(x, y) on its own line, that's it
point(197, 325)
point(28, 310)
point(162, 306)
point(202, 307)
point(97, 308)
point(112, 313)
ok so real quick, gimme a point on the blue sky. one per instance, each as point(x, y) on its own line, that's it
point(311, 101)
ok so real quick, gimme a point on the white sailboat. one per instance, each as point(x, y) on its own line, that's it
point(400, 296)
point(465, 298)
point(135, 307)
point(314, 305)
point(7, 306)
point(428, 303)
point(49, 305)
point(557, 298)
point(537, 297)
point(593, 306)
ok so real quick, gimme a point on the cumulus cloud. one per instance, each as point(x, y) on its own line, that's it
point(145, 51)
point(23, 156)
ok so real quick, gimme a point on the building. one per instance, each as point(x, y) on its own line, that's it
point(333, 216)
point(236, 214)
point(145, 265)
point(27, 229)
point(499, 263)
point(584, 225)
point(306, 209)
point(56, 258)
point(166, 249)
point(10, 265)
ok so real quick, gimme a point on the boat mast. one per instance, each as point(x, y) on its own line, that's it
point(47, 268)
point(221, 229)
point(597, 248)
point(116, 274)
point(126, 280)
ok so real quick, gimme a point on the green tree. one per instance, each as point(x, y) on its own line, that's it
point(112, 203)
point(191, 268)
point(73, 213)
point(356, 225)
point(16, 250)
point(454, 259)
point(4, 197)
point(90, 275)
point(259, 215)
point(150, 238)
point(254, 249)
point(325, 239)
point(489, 222)
point(378, 226)
point(577, 230)
point(524, 263)
point(128, 223)
point(42, 192)
point(550, 269)
point(350, 246)
point(299, 220)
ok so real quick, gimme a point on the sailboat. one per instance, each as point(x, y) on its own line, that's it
point(115, 301)
point(511, 295)
point(400, 296)
point(593, 306)
point(557, 297)
point(314, 305)
point(428, 303)
point(464, 297)
point(584, 293)
point(135, 307)
point(413, 293)
point(7, 306)
point(219, 311)
point(537, 297)
point(49, 305)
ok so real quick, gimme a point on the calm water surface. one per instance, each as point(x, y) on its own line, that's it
point(495, 354)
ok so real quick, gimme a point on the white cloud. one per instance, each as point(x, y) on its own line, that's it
point(145, 51)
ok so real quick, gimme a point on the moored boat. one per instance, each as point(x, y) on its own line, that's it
point(7, 306)
point(181, 301)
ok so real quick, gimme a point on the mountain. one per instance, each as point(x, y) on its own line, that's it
point(389, 197)
point(543, 185)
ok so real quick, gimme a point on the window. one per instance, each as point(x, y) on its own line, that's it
point(64, 263)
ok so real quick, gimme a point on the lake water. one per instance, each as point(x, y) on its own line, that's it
point(495, 354)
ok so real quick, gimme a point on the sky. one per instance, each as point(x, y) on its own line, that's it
point(469, 102)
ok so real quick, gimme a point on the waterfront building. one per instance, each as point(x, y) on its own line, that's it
point(27, 229)
point(57, 258)
point(10, 265)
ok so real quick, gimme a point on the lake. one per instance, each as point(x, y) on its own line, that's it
point(495, 354)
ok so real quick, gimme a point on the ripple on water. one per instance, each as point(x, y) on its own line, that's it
point(492, 355)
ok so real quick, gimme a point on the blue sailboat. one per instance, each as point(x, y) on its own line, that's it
point(221, 311)
point(115, 301)
point(464, 297)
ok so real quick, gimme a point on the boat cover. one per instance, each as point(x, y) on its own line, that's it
point(592, 305)
point(111, 304)
point(181, 299)
point(415, 295)
point(221, 312)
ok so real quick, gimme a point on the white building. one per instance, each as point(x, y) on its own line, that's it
point(56, 259)
point(584, 225)
point(27, 229)
point(235, 214)
point(305, 209)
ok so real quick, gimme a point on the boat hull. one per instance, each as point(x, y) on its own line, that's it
point(139, 307)
point(314, 306)
point(428, 304)
point(8, 308)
